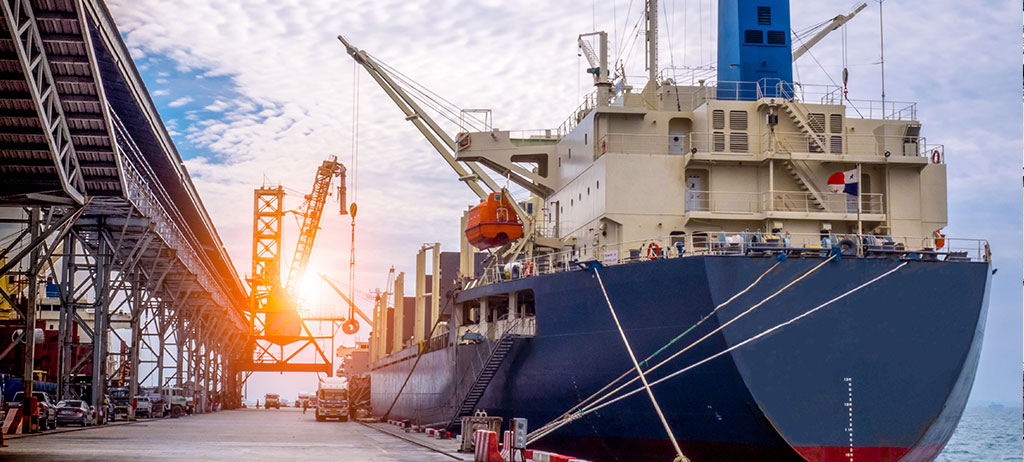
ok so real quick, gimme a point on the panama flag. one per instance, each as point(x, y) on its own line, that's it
point(844, 182)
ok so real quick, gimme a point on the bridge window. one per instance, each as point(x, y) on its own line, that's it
point(753, 36)
point(764, 15)
point(776, 37)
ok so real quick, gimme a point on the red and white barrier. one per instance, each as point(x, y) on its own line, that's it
point(486, 445)
point(12, 424)
point(438, 433)
point(544, 456)
point(506, 446)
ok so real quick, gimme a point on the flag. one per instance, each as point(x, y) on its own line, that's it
point(844, 182)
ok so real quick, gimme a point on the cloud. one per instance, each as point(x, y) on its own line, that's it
point(180, 101)
point(218, 106)
point(160, 92)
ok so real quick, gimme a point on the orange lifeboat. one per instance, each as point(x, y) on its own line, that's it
point(492, 223)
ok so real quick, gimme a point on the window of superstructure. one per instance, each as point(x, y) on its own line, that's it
point(753, 36)
point(584, 138)
point(776, 37)
point(764, 15)
point(599, 184)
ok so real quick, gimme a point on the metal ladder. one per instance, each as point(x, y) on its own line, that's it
point(793, 171)
point(798, 115)
point(483, 379)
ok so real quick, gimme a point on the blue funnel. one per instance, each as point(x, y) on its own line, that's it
point(755, 53)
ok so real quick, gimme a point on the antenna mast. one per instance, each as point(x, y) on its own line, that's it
point(652, 40)
point(881, 48)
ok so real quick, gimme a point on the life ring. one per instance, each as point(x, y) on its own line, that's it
point(936, 156)
point(463, 140)
point(528, 269)
point(653, 250)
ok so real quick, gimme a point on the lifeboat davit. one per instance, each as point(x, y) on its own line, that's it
point(492, 223)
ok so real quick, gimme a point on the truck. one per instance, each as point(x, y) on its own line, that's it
point(332, 400)
point(119, 397)
point(273, 400)
point(174, 401)
point(143, 407)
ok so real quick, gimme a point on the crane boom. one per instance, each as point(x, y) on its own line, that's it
point(437, 137)
point(347, 300)
point(836, 23)
point(312, 211)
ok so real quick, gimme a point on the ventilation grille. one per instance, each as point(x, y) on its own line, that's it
point(719, 142)
point(835, 123)
point(836, 145)
point(718, 119)
point(737, 120)
point(738, 142)
point(764, 15)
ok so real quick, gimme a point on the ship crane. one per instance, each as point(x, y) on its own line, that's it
point(470, 172)
point(834, 24)
point(598, 64)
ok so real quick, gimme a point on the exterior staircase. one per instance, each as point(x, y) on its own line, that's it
point(796, 112)
point(805, 185)
point(483, 379)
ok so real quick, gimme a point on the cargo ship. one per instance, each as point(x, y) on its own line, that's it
point(768, 252)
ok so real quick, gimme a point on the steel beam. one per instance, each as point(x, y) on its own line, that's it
point(28, 44)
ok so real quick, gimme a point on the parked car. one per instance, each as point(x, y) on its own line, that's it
point(75, 411)
point(46, 411)
point(143, 407)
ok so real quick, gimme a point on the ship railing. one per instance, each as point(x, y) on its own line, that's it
point(848, 144)
point(815, 94)
point(745, 243)
point(742, 202)
point(535, 134)
point(589, 103)
point(824, 201)
point(743, 145)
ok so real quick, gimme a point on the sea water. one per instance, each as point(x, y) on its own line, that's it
point(986, 434)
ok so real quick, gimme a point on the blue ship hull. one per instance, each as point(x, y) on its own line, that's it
point(881, 374)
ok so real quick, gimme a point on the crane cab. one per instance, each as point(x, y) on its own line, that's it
point(493, 222)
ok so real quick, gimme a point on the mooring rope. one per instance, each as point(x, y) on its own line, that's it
point(573, 417)
point(586, 408)
point(670, 343)
point(625, 341)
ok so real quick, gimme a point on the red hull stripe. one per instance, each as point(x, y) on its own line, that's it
point(851, 454)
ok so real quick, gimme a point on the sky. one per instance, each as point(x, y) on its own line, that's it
point(260, 92)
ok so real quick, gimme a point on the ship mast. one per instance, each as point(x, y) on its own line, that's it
point(652, 40)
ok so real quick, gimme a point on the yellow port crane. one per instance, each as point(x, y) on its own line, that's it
point(273, 315)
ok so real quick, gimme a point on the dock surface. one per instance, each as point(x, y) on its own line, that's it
point(244, 434)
